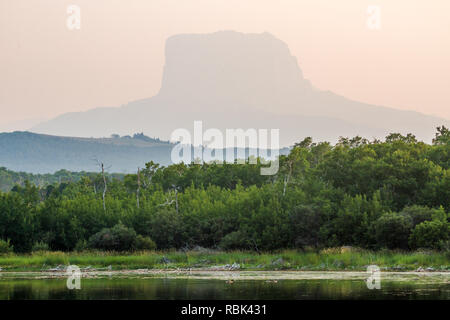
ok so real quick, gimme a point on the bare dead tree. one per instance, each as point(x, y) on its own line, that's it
point(287, 177)
point(105, 185)
point(175, 188)
point(168, 201)
point(255, 246)
point(171, 198)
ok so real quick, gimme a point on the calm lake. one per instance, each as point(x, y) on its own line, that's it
point(277, 286)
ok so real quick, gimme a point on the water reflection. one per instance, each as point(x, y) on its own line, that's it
point(167, 289)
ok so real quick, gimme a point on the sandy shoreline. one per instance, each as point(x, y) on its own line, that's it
point(235, 275)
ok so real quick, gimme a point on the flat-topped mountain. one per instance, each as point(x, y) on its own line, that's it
point(234, 80)
point(231, 68)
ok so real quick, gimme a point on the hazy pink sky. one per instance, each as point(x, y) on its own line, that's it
point(118, 54)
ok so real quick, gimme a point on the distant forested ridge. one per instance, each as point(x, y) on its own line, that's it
point(42, 154)
point(373, 194)
point(39, 153)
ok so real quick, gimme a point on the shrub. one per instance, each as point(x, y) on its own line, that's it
point(392, 231)
point(40, 246)
point(166, 229)
point(234, 240)
point(117, 238)
point(145, 243)
point(444, 245)
point(417, 214)
point(81, 245)
point(6, 247)
point(305, 222)
point(430, 234)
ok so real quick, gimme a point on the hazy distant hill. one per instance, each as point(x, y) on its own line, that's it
point(234, 80)
point(38, 153)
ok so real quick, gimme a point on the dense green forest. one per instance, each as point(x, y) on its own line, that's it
point(371, 194)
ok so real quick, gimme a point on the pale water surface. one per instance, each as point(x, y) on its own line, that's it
point(144, 284)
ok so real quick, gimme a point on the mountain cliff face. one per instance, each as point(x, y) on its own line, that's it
point(233, 80)
point(255, 70)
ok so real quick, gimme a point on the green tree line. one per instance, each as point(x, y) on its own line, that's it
point(373, 194)
point(9, 179)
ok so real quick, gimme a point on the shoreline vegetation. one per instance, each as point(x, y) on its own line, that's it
point(331, 259)
point(374, 195)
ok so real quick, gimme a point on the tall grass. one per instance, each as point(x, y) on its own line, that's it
point(326, 260)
